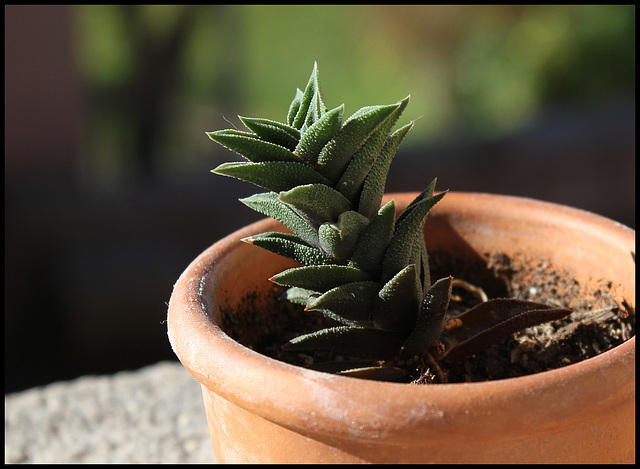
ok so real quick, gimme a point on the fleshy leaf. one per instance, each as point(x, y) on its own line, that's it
point(317, 202)
point(273, 131)
point(373, 241)
point(401, 246)
point(319, 278)
point(294, 107)
point(428, 192)
point(425, 273)
point(268, 204)
point(311, 106)
point(351, 302)
point(297, 295)
point(250, 147)
point(273, 176)
point(374, 184)
point(339, 239)
point(315, 137)
point(363, 160)
point(336, 154)
point(420, 246)
point(353, 341)
point(492, 322)
point(291, 246)
point(431, 317)
point(418, 252)
point(396, 307)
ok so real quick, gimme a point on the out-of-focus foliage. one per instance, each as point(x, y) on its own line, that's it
point(159, 76)
point(566, 53)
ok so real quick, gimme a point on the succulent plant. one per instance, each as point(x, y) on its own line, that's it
point(361, 265)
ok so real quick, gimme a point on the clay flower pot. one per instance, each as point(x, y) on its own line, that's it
point(265, 411)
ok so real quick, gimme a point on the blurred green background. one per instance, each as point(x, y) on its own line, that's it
point(486, 69)
point(108, 194)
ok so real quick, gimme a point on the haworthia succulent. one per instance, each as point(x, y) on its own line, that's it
point(325, 179)
point(359, 264)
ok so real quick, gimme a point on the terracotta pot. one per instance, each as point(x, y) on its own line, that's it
point(263, 410)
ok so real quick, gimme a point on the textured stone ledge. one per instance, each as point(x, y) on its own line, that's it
point(153, 415)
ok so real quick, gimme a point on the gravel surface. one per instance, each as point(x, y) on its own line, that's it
point(153, 415)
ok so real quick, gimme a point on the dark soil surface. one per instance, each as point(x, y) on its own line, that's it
point(600, 321)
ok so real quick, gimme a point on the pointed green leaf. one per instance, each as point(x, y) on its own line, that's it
point(289, 245)
point(330, 240)
point(352, 341)
point(374, 184)
point(317, 107)
point(315, 137)
point(251, 147)
point(319, 278)
point(430, 320)
point(373, 241)
point(337, 153)
point(317, 202)
point(273, 132)
point(396, 308)
point(419, 254)
point(416, 257)
point(350, 302)
point(274, 176)
point(297, 295)
point(268, 204)
point(401, 245)
point(363, 160)
point(339, 239)
point(425, 274)
point(428, 192)
point(311, 105)
point(294, 107)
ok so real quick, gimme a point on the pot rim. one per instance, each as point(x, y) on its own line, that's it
point(374, 409)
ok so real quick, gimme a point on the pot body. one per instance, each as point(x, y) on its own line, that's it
point(265, 411)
